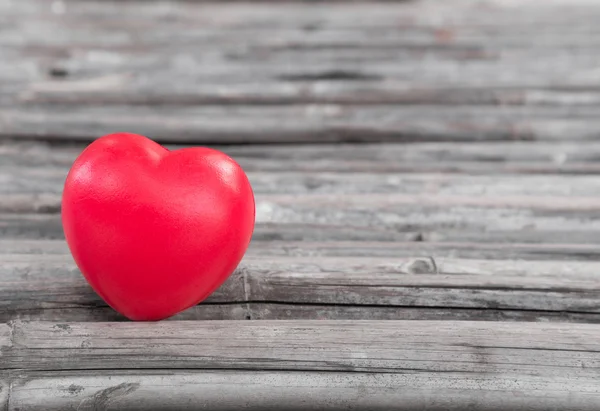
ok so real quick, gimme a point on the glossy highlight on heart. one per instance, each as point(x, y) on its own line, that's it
point(154, 231)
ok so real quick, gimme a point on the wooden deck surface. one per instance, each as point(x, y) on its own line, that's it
point(427, 178)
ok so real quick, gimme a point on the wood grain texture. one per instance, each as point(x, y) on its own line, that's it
point(48, 180)
point(452, 226)
point(301, 124)
point(279, 311)
point(48, 286)
point(452, 267)
point(567, 252)
point(5, 336)
point(379, 217)
point(487, 159)
point(481, 365)
point(330, 73)
point(496, 223)
point(409, 345)
point(365, 205)
point(301, 390)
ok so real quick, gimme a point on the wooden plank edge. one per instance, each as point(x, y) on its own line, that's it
point(303, 390)
point(368, 346)
point(280, 365)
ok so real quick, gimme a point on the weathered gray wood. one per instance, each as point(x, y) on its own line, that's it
point(304, 390)
point(4, 394)
point(490, 158)
point(424, 283)
point(25, 189)
point(5, 343)
point(314, 311)
point(5, 335)
point(439, 349)
point(49, 287)
point(279, 311)
point(473, 158)
point(317, 85)
point(476, 250)
point(47, 182)
point(240, 34)
point(344, 231)
point(359, 206)
point(551, 220)
point(32, 178)
point(251, 124)
point(63, 82)
point(54, 311)
point(48, 226)
point(514, 251)
point(52, 288)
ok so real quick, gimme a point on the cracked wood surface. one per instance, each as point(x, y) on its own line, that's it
point(296, 391)
point(339, 364)
point(46, 284)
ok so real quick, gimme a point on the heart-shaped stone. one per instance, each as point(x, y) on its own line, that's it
point(155, 231)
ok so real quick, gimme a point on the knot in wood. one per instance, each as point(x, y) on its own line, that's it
point(421, 266)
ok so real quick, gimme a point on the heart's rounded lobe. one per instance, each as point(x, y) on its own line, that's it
point(155, 231)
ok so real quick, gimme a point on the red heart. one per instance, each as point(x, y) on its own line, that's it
point(155, 231)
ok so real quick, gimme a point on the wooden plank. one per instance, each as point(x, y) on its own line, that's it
point(281, 311)
point(34, 227)
point(253, 124)
point(476, 250)
point(304, 390)
point(516, 350)
point(57, 311)
point(320, 85)
point(376, 249)
point(48, 161)
point(49, 287)
point(455, 157)
point(20, 181)
point(436, 219)
point(427, 283)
